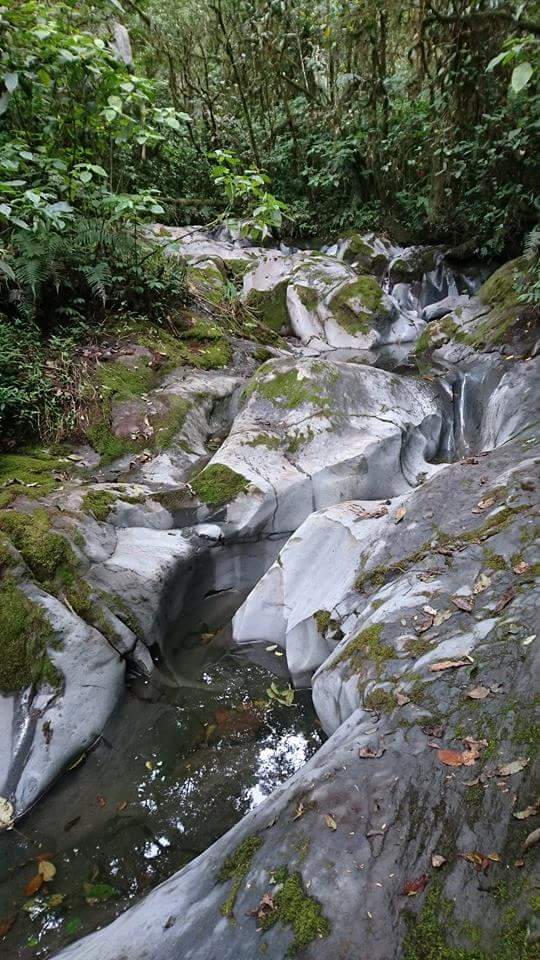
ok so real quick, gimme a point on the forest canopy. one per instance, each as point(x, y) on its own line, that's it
point(308, 117)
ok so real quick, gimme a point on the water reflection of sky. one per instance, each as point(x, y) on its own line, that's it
point(277, 760)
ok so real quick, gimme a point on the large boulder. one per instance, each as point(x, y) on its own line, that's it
point(315, 432)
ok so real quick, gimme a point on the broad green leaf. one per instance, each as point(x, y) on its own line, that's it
point(521, 76)
point(11, 81)
point(496, 60)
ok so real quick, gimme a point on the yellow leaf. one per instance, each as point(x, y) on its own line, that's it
point(47, 870)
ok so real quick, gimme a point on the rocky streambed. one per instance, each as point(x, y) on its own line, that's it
point(352, 510)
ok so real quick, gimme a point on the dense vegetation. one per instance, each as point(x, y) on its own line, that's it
point(419, 119)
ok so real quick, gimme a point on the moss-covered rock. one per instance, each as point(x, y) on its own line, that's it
point(99, 503)
point(355, 304)
point(42, 549)
point(31, 474)
point(24, 635)
point(294, 907)
point(217, 484)
point(236, 868)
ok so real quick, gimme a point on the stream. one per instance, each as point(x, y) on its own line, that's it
point(185, 756)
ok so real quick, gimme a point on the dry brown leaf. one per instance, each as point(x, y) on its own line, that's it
point(401, 699)
point(508, 769)
point(33, 885)
point(481, 862)
point(424, 625)
point(528, 811)
point(437, 860)
point(6, 925)
point(101, 800)
point(399, 514)
point(532, 839)
point(505, 599)
point(441, 617)
point(122, 806)
point(413, 887)
point(478, 693)
point(300, 810)
point(47, 870)
point(462, 603)
point(264, 909)
point(451, 758)
point(449, 665)
point(330, 822)
point(366, 753)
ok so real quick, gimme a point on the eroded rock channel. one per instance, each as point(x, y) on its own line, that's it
point(356, 513)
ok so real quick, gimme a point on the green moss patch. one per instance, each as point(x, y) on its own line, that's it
point(28, 474)
point(270, 305)
point(217, 484)
point(44, 551)
point(355, 304)
point(236, 868)
point(264, 440)
point(428, 933)
point(367, 646)
point(24, 634)
point(295, 908)
point(99, 503)
point(285, 389)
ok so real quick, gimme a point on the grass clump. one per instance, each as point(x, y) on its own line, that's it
point(24, 634)
point(99, 504)
point(217, 484)
point(294, 907)
point(236, 868)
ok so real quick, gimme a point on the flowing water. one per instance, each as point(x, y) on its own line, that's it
point(176, 767)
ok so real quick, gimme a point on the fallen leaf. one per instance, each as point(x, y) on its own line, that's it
point(55, 900)
point(482, 583)
point(424, 625)
point(478, 693)
point(484, 504)
point(264, 909)
point(413, 887)
point(375, 833)
point(521, 567)
point(449, 665)
point(122, 806)
point(481, 862)
point(149, 765)
point(429, 610)
point(399, 514)
point(366, 753)
point(463, 604)
point(6, 925)
point(451, 758)
point(101, 800)
point(532, 839)
point(437, 860)
point(508, 769)
point(6, 813)
point(300, 810)
point(441, 617)
point(494, 857)
point(271, 648)
point(505, 599)
point(47, 870)
point(330, 822)
point(98, 892)
point(528, 811)
point(401, 699)
point(33, 885)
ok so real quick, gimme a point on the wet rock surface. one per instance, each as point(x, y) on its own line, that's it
point(373, 532)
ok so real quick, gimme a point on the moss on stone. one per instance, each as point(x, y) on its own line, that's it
point(295, 908)
point(217, 484)
point(43, 550)
point(285, 388)
point(28, 474)
point(323, 619)
point(355, 303)
point(270, 305)
point(235, 868)
point(25, 632)
point(264, 440)
point(380, 700)
point(429, 931)
point(98, 503)
point(104, 442)
point(169, 426)
point(119, 607)
point(367, 646)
